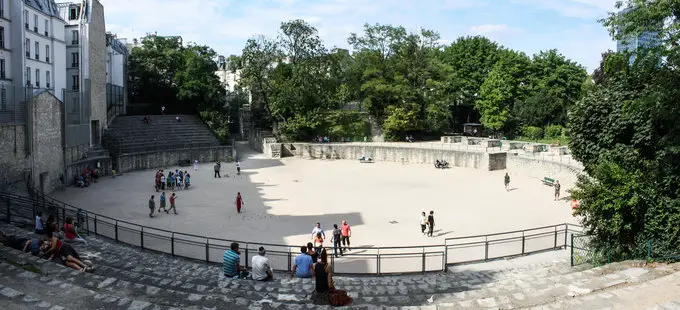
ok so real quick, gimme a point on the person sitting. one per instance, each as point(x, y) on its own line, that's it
point(231, 259)
point(51, 225)
point(70, 234)
point(437, 164)
point(302, 266)
point(68, 255)
point(262, 270)
point(311, 251)
point(324, 288)
point(22, 244)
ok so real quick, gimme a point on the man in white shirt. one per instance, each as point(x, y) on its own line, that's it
point(318, 229)
point(238, 168)
point(262, 270)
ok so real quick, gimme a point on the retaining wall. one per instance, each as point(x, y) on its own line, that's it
point(419, 155)
point(164, 159)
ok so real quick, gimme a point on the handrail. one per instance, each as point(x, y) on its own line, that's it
point(450, 244)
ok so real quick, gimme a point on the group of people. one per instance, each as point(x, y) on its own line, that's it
point(218, 168)
point(177, 179)
point(312, 262)
point(87, 177)
point(441, 164)
point(162, 201)
point(427, 224)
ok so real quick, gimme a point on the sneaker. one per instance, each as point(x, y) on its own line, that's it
point(87, 262)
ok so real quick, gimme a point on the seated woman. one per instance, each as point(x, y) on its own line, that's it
point(68, 255)
point(51, 225)
point(323, 273)
point(70, 233)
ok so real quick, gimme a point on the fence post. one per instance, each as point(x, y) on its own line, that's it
point(95, 224)
point(63, 209)
point(378, 264)
point(649, 249)
point(172, 244)
point(572, 250)
point(523, 239)
point(116, 229)
point(141, 237)
point(555, 238)
point(446, 255)
point(566, 231)
point(246, 256)
point(423, 259)
point(486, 249)
point(290, 259)
point(207, 250)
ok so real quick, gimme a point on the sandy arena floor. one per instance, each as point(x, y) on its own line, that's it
point(285, 198)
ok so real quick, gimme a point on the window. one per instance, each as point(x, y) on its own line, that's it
point(2, 68)
point(75, 60)
point(26, 19)
point(47, 79)
point(37, 78)
point(47, 28)
point(47, 53)
point(76, 82)
point(35, 22)
point(28, 76)
point(73, 13)
point(28, 47)
point(74, 33)
point(2, 35)
point(37, 50)
point(3, 97)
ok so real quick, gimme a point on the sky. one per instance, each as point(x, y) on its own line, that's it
point(530, 26)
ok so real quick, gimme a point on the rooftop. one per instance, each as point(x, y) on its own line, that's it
point(48, 7)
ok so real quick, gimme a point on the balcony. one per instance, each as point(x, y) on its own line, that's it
point(74, 65)
point(47, 34)
point(47, 59)
point(35, 29)
point(74, 42)
point(37, 57)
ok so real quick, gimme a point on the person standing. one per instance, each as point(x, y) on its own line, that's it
point(217, 170)
point(39, 225)
point(423, 223)
point(346, 233)
point(238, 168)
point(172, 204)
point(162, 204)
point(317, 229)
point(430, 222)
point(239, 202)
point(163, 109)
point(152, 206)
point(162, 180)
point(557, 189)
point(337, 236)
point(195, 164)
point(507, 181)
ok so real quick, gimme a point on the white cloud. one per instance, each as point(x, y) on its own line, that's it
point(463, 4)
point(489, 28)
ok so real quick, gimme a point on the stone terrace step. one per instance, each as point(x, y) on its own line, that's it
point(177, 282)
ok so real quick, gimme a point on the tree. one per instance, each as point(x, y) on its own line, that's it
point(507, 83)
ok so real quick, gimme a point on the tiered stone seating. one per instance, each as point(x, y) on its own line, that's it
point(129, 278)
point(129, 134)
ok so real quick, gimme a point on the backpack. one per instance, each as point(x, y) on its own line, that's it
point(339, 298)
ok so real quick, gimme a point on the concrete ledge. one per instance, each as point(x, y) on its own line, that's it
point(161, 159)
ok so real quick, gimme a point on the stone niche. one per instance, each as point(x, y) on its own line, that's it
point(537, 148)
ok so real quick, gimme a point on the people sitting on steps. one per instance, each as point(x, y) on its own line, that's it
point(441, 164)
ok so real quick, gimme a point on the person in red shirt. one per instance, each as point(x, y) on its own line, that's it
point(70, 234)
point(172, 204)
point(68, 255)
point(346, 233)
point(239, 202)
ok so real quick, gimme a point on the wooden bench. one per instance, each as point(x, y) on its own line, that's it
point(548, 181)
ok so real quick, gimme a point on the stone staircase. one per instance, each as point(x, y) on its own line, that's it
point(129, 278)
point(129, 134)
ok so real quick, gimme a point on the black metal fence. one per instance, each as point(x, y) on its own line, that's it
point(14, 103)
point(361, 260)
point(115, 100)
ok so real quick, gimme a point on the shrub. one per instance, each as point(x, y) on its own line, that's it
point(533, 132)
point(553, 131)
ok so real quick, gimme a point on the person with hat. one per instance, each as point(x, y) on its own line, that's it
point(262, 270)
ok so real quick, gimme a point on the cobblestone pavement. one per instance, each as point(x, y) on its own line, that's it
point(129, 278)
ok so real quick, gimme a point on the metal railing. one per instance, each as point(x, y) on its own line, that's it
point(361, 260)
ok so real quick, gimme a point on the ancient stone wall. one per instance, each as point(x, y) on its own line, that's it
point(13, 159)
point(48, 142)
point(164, 159)
point(97, 66)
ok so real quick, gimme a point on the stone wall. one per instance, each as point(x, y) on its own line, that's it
point(13, 158)
point(540, 168)
point(381, 152)
point(48, 142)
point(97, 66)
point(165, 159)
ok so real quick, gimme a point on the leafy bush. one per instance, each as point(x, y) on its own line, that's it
point(553, 131)
point(532, 132)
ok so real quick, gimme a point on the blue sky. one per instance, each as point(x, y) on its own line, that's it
point(527, 25)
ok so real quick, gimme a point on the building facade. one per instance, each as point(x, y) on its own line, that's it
point(116, 77)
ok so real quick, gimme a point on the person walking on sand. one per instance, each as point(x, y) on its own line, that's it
point(507, 181)
point(162, 204)
point(238, 168)
point(239, 202)
point(346, 233)
point(430, 222)
point(423, 223)
point(152, 206)
point(557, 189)
point(217, 170)
point(337, 236)
point(172, 204)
